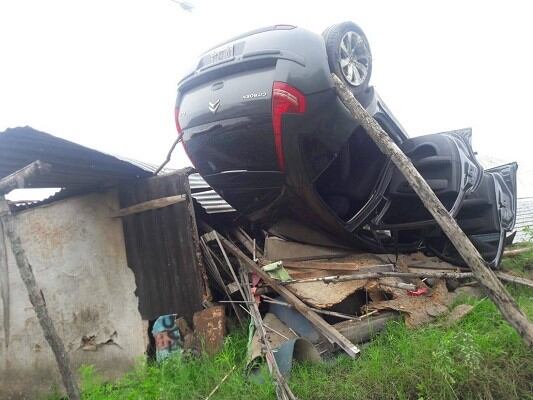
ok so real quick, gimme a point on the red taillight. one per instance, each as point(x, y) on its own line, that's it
point(285, 99)
point(177, 119)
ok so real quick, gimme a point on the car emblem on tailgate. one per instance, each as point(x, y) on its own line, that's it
point(213, 106)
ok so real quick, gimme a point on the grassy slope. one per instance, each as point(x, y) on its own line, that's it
point(481, 357)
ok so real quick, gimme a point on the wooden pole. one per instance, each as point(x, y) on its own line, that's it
point(517, 252)
point(514, 279)
point(169, 154)
point(408, 275)
point(383, 274)
point(38, 302)
point(486, 277)
point(26, 273)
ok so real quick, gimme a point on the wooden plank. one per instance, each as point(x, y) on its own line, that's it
point(17, 180)
point(149, 205)
point(486, 277)
point(514, 279)
point(330, 333)
point(517, 252)
point(333, 266)
point(384, 274)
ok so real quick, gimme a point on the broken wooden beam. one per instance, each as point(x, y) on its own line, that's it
point(408, 275)
point(149, 205)
point(330, 333)
point(486, 277)
point(17, 180)
point(332, 266)
point(517, 252)
point(514, 279)
point(169, 154)
point(383, 274)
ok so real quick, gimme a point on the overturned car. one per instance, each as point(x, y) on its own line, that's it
point(262, 123)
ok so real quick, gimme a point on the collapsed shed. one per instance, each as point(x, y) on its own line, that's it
point(117, 248)
point(112, 250)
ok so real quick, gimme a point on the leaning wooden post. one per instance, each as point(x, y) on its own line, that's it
point(26, 273)
point(486, 277)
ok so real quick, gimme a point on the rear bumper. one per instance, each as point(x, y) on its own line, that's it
point(253, 193)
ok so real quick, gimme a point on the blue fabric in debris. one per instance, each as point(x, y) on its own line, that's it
point(167, 337)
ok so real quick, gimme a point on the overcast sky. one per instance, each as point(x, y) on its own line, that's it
point(104, 73)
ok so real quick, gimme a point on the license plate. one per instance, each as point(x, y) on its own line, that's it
point(219, 55)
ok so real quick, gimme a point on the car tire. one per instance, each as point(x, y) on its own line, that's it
point(349, 55)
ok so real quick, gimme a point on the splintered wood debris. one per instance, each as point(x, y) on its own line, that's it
point(326, 295)
point(418, 310)
point(336, 304)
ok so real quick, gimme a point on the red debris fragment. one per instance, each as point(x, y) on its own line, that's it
point(419, 292)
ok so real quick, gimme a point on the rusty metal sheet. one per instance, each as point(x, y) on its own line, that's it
point(163, 249)
point(210, 328)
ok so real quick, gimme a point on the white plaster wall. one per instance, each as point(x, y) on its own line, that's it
point(78, 257)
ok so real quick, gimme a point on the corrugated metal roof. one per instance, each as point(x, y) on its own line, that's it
point(73, 166)
point(197, 183)
point(524, 218)
point(212, 202)
point(208, 199)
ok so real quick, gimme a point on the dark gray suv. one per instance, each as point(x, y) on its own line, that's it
point(262, 124)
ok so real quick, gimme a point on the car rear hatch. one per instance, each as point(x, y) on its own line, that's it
point(225, 118)
point(224, 107)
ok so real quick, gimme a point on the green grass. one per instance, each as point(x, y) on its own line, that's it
point(521, 264)
point(481, 357)
point(184, 378)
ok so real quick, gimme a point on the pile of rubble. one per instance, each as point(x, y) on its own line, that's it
point(307, 302)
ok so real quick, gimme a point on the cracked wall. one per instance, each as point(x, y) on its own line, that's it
point(78, 256)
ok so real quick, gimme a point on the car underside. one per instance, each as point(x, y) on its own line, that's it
point(261, 122)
